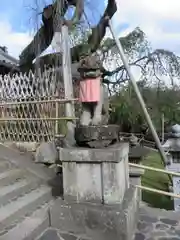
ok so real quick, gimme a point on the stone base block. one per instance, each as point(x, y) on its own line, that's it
point(96, 136)
point(135, 175)
point(95, 175)
point(98, 221)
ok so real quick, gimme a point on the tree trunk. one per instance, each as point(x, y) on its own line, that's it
point(44, 36)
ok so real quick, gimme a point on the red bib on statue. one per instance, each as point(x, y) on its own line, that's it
point(90, 90)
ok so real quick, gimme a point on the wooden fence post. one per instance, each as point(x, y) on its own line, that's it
point(68, 85)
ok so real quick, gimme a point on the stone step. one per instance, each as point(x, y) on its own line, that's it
point(31, 227)
point(13, 212)
point(5, 165)
point(11, 176)
point(15, 190)
point(56, 234)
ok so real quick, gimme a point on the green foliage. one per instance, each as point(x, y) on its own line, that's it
point(162, 100)
point(133, 42)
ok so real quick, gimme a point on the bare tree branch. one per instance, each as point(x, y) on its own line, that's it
point(45, 34)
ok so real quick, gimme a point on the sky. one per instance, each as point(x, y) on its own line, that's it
point(159, 19)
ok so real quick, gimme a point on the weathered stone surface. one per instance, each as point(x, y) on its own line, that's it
point(97, 221)
point(141, 226)
point(82, 182)
point(115, 153)
point(66, 236)
point(139, 236)
point(137, 153)
point(169, 238)
point(50, 234)
point(100, 175)
point(158, 234)
point(177, 232)
point(136, 172)
point(148, 219)
point(144, 227)
point(161, 226)
point(23, 146)
point(46, 153)
point(158, 224)
point(96, 135)
point(169, 221)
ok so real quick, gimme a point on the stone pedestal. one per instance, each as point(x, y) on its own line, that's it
point(135, 175)
point(98, 202)
point(95, 175)
point(172, 146)
point(136, 155)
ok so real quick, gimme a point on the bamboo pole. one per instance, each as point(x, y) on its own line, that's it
point(157, 191)
point(39, 102)
point(38, 119)
point(154, 169)
point(67, 75)
point(138, 94)
point(57, 115)
point(68, 85)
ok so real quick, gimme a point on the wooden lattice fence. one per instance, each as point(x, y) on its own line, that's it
point(30, 106)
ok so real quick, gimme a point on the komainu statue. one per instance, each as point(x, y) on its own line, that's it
point(93, 129)
point(93, 93)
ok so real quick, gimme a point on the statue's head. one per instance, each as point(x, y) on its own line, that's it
point(91, 61)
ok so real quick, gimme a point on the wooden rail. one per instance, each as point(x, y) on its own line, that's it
point(154, 169)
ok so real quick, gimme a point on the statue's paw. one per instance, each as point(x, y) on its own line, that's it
point(85, 121)
point(96, 120)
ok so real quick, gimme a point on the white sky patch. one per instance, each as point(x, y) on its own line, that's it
point(15, 41)
point(150, 16)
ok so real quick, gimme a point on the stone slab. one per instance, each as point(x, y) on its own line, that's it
point(17, 189)
point(136, 172)
point(103, 183)
point(23, 205)
point(98, 221)
point(138, 152)
point(101, 132)
point(55, 234)
point(25, 162)
point(86, 179)
point(157, 224)
point(82, 182)
point(31, 226)
point(50, 234)
point(46, 153)
point(115, 153)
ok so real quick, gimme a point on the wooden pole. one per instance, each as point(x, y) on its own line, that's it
point(154, 169)
point(67, 75)
point(57, 114)
point(68, 86)
point(138, 94)
point(162, 126)
point(157, 191)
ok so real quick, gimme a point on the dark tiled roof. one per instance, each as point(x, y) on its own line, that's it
point(11, 59)
point(8, 62)
point(9, 65)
